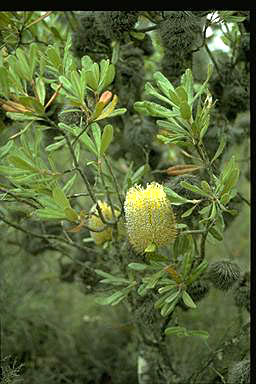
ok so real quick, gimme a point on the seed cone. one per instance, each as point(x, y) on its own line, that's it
point(223, 274)
point(149, 217)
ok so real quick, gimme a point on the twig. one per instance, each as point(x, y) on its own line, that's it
point(46, 237)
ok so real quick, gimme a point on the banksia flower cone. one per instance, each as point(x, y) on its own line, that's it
point(96, 223)
point(149, 217)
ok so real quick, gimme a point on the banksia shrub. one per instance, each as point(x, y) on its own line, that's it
point(149, 217)
point(223, 274)
point(96, 223)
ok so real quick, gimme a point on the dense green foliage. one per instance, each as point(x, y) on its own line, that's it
point(124, 211)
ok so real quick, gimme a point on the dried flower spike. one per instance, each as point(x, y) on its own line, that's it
point(149, 217)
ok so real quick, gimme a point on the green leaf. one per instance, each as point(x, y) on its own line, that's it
point(174, 198)
point(203, 87)
point(189, 211)
point(137, 266)
point(198, 271)
point(141, 171)
point(67, 187)
point(24, 66)
point(32, 103)
point(216, 234)
point(193, 188)
point(231, 181)
point(203, 334)
point(106, 139)
point(21, 163)
point(221, 147)
point(110, 277)
point(179, 331)
point(33, 51)
point(185, 110)
point(187, 264)
point(53, 56)
point(187, 83)
point(4, 83)
point(40, 89)
point(169, 307)
point(115, 298)
point(97, 136)
point(225, 198)
point(163, 83)
point(167, 288)
point(50, 214)
point(5, 149)
point(60, 198)
point(150, 90)
point(89, 144)
point(182, 94)
point(188, 300)
point(183, 244)
point(110, 75)
point(152, 280)
point(173, 296)
point(206, 187)
point(150, 108)
point(71, 214)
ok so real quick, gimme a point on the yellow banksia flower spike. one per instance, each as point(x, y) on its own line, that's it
point(149, 217)
point(96, 223)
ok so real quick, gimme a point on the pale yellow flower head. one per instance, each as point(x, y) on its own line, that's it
point(149, 217)
point(96, 223)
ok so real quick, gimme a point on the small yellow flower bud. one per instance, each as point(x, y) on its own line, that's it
point(96, 223)
point(149, 217)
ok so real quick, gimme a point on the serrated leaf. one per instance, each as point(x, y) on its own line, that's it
point(188, 300)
